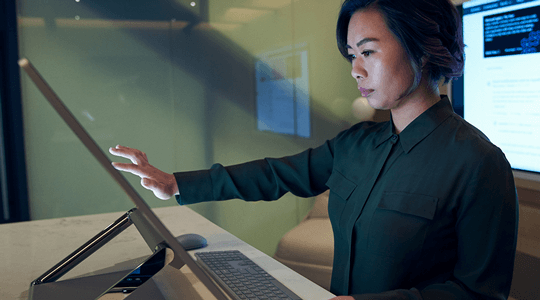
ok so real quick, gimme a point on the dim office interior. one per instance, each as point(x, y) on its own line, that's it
point(190, 83)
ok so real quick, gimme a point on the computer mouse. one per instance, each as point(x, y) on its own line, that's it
point(191, 241)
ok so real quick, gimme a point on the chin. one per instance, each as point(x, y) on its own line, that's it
point(377, 104)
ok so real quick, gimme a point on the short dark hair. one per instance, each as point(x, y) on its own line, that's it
point(430, 28)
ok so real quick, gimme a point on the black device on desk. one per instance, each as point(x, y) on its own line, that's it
point(155, 263)
point(148, 269)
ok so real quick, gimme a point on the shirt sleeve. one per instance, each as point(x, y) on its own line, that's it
point(486, 229)
point(303, 174)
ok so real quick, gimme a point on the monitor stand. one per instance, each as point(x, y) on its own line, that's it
point(95, 286)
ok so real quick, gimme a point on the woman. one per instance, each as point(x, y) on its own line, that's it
point(422, 206)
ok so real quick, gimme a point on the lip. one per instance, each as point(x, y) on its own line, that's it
point(365, 92)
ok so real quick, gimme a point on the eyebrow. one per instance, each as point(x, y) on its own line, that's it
point(363, 41)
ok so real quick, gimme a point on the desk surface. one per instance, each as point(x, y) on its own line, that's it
point(28, 249)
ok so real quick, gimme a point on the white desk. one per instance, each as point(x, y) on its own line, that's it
point(28, 249)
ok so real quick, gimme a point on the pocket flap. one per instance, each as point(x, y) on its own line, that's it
point(413, 204)
point(340, 185)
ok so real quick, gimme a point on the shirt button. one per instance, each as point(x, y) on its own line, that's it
point(394, 138)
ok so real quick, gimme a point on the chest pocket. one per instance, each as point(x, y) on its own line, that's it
point(341, 189)
point(340, 186)
point(399, 224)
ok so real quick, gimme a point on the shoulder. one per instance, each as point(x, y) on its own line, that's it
point(470, 142)
point(466, 131)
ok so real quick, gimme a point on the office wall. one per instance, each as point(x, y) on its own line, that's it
point(150, 77)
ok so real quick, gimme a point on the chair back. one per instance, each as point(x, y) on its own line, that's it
point(320, 208)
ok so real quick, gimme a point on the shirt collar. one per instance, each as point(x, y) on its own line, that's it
point(420, 127)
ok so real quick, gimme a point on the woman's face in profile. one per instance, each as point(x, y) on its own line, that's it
point(380, 64)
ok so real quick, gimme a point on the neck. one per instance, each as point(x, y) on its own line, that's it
point(417, 102)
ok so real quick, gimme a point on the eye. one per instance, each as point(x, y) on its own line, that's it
point(367, 53)
point(351, 57)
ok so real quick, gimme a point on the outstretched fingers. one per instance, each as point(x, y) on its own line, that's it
point(136, 156)
point(131, 168)
point(162, 184)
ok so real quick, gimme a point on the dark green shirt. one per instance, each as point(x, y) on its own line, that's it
point(431, 213)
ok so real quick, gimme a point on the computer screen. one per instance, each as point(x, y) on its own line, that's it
point(499, 92)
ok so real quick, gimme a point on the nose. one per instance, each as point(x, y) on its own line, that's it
point(358, 71)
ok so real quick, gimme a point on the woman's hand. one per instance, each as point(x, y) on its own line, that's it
point(162, 184)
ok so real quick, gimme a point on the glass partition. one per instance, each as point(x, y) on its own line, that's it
point(190, 83)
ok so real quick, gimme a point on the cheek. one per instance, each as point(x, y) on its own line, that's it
point(393, 76)
point(391, 72)
point(380, 74)
point(403, 74)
